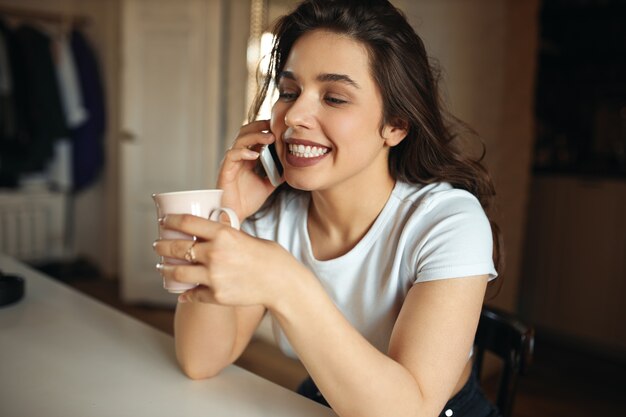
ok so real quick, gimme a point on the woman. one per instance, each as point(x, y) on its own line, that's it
point(373, 257)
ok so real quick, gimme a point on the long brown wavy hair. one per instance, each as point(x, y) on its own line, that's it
point(408, 83)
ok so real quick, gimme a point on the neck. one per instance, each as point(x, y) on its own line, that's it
point(340, 217)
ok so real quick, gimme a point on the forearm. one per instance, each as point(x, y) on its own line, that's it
point(209, 337)
point(354, 377)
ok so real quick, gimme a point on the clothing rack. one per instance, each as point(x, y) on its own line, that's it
point(51, 17)
point(59, 205)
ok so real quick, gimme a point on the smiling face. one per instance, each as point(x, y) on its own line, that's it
point(328, 114)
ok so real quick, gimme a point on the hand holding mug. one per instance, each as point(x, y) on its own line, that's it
point(232, 268)
point(201, 203)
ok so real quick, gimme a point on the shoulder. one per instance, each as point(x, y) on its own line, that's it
point(447, 232)
point(437, 200)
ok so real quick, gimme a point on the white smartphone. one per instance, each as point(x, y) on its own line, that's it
point(271, 164)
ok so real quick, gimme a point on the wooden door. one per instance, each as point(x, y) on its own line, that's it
point(170, 92)
point(575, 260)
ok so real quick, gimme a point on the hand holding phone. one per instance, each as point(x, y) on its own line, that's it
point(271, 164)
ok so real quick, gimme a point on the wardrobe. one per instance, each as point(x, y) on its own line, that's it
point(52, 129)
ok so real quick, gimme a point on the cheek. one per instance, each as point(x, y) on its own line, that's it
point(352, 130)
point(277, 120)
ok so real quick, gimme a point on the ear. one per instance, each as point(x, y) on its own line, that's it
point(395, 132)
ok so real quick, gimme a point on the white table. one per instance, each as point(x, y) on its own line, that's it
point(65, 354)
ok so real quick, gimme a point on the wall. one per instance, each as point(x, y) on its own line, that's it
point(487, 50)
point(94, 216)
point(238, 30)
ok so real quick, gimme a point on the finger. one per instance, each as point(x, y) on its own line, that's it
point(240, 154)
point(259, 129)
point(186, 273)
point(256, 126)
point(192, 225)
point(253, 140)
point(177, 249)
point(201, 294)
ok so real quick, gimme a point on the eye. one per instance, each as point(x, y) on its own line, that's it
point(334, 100)
point(287, 94)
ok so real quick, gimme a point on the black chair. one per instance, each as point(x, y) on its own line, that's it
point(504, 335)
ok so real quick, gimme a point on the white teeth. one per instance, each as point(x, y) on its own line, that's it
point(302, 151)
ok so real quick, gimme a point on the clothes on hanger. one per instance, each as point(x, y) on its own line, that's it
point(88, 138)
point(39, 118)
point(7, 104)
point(52, 119)
point(71, 94)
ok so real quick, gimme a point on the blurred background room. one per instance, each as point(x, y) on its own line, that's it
point(104, 102)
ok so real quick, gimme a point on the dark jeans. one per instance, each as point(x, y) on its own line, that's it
point(468, 402)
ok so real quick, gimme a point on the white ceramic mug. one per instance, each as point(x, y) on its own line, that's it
point(202, 203)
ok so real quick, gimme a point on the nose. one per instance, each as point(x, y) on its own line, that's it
point(300, 113)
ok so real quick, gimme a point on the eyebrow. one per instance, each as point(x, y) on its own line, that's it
point(340, 78)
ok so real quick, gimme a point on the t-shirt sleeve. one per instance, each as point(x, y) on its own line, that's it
point(455, 239)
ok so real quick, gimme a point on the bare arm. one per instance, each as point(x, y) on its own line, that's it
point(210, 337)
point(429, 346)
point(428, 351)
point(211, 327)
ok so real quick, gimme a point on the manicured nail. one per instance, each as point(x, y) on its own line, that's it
point(154, 244)
point(160, 266)
point(161, 220)
point(251, 154)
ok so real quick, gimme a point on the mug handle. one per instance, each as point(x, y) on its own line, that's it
point(232, 216)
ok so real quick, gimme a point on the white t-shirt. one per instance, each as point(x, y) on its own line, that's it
point(424, 233)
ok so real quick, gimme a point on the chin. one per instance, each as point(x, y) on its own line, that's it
point(301, 187)
point(302, 184)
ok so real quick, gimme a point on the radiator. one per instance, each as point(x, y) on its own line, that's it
point(33, 225)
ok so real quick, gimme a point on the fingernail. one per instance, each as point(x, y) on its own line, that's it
point(251, 154)
point(154, 244)
point(161, 220)
point(182, 299)
point(160, 266)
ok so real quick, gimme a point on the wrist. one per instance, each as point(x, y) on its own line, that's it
point(299, 286)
